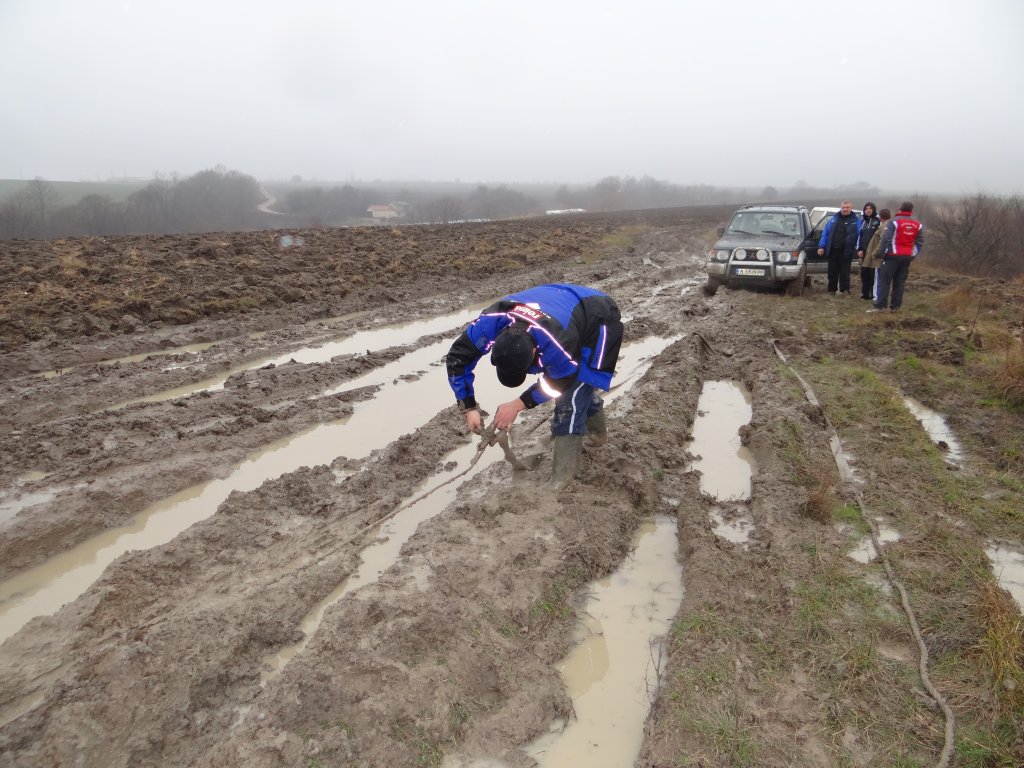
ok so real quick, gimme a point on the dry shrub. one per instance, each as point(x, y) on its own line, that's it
point(821, 498)
point(1002, 647)
point(955, 302)
point(70, 264)
point(1009, 380)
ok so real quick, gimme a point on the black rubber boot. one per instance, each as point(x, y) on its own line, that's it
point(565, 458)
point(597, 429)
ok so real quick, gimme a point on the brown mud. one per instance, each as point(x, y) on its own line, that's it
point(451, 654)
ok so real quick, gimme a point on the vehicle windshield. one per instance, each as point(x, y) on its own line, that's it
point(768, 223)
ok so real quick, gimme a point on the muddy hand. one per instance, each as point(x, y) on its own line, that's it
point(474, 421)
point(507, 413)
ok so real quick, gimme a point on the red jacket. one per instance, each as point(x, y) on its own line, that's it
point(902, 236)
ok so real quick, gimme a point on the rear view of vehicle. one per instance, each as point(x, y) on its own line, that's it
point(762, 246)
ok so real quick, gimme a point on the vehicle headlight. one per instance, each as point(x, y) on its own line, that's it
point(762, 254)
point(722, 255)
point(741, 253)
point(783, 257)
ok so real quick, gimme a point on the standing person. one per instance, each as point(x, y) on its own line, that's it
point(902, 240)
point(839, 240)
point(868, 224)
point(872, 255)
point(570, 335)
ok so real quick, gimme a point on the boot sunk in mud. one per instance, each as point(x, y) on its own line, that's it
point(565, 458)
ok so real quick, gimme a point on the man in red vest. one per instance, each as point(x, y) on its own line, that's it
point(901, 242)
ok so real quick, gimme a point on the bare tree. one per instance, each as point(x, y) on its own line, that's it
point(41, 199)
point(96, 215)
point(445, 210)
point(982, 235)
point(15, 218)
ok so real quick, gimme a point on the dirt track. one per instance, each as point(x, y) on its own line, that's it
point(159, 662)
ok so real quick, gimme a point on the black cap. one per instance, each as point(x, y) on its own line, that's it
point(512, 355)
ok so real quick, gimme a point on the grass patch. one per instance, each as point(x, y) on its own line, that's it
point(727, 738)
point(1002, 648)
point(621, 238)
point(705, 621)
point(815, 475)
point(555, 602)
point(850, 515)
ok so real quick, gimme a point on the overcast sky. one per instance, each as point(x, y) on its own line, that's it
point(917, 96)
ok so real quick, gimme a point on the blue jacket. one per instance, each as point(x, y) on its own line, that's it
point(577, 331)
point(850, 246)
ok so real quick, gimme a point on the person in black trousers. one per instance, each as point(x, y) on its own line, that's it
point(839, 241)
point(868, 226)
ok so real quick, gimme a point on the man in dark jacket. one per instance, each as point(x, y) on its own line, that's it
point(902, 240)
point(570, 335)
point(868, 225)
point(839, 241)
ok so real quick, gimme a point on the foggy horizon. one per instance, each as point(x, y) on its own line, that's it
point(745, 95)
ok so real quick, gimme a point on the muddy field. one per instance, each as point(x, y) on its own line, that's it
point(210, 443)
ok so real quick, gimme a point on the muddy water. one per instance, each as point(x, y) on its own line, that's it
point(401, 407)
point(193, 348)
point(1008, 566)
point(612, 675)
point(362, 342)
point(14, 499)
point(21, 707)
point(733, 525)
point(188, 349)
point(634, 360)
point(726, 465)
point(391, 535)
point(865, 551)
point(937, 428)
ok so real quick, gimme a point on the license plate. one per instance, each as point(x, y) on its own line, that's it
point(751, 272)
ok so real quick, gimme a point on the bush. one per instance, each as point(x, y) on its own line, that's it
point(981, 235)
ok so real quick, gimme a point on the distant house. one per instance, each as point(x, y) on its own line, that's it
point(389, 211)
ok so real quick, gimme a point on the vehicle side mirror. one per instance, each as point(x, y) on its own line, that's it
point(721, 231)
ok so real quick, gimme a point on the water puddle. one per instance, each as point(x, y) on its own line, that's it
point(1008, 566)
point(361, 342)
point(671, 289)
point(734, 526)
point(393, 533)
point(726, 465)
point(405, 403)
point(16, 500)
point(192, 349)
point(865, 551)
point(613, 674)
point(401, 407)
point(187, 349)
point(635, 359)
point(937, 428)
point(383, 553)
point(20, 708)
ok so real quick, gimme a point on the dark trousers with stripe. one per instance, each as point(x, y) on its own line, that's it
point(572, 409)
point(892, 275)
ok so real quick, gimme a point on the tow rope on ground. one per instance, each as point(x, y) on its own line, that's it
point(846, 474)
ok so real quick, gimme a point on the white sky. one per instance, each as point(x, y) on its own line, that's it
point(917, 95)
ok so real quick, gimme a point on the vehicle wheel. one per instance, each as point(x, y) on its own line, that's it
point(712, 285)
point(795, 287)
point(807, 281)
